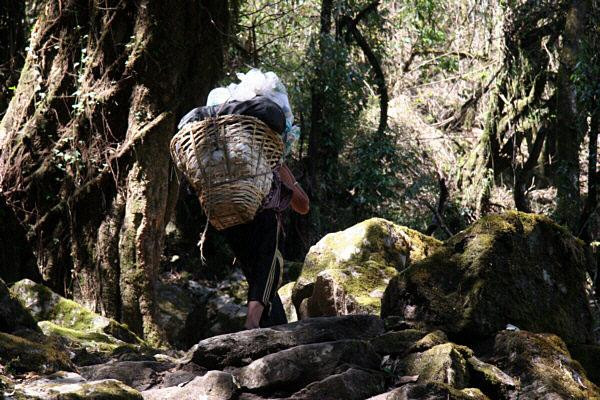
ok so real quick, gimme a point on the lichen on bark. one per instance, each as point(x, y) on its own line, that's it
point(84, 163)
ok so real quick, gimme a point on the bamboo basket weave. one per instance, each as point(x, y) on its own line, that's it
point(229, 162)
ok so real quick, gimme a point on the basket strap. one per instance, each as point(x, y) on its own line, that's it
point(276, 262)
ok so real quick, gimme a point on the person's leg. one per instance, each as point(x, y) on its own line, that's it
point(274, 316)
point(267, 269)
point(255, 246)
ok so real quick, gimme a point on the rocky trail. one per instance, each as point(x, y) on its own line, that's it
point(502, 310)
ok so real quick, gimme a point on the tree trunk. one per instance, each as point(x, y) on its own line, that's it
point(85, 162)
point(12, 47)
point(318, 137)
point(568, 139)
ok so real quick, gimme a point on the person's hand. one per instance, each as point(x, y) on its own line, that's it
point(255, 310)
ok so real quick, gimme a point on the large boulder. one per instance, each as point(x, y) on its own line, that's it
point(299, 366)
point(347, 272)
point(13, 316)
point(543, 365)
point(512, 268)
point(237, 349)
point(59, 316)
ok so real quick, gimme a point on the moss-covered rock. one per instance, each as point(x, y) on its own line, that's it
point(543, 365)
point(32, 351)
point(589, 357)
point(13, 315)
point(491, 379)
point(67, 318)
point(431, 391)
point(512, 268)
point(285, 293)
point(444, 363)
point(351, 269)
point(81, 329)
point(71, 386)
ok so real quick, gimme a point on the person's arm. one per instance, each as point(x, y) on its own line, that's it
point(300, 202)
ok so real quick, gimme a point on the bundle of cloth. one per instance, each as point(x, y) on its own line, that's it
point(260, 107)
point(258, 94)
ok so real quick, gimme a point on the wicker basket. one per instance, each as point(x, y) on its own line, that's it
point(229, 162)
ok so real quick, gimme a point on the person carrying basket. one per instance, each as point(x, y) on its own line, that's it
point(231, 152)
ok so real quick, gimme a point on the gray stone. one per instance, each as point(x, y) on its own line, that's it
point(140, 375)
point(64, 385)
point(13, 315)
point(301, 365)
point(179, 313)
point(285, 293)
point(215, 385)
point(352, 384)
point(396, 343)
point(179, 375)
point(431, 391)
point(241, 348)
point(543, 366)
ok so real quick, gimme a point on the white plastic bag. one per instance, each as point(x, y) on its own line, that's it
point(254, 83)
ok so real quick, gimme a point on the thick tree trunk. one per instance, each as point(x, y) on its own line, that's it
point(85, 162)
point(569, 137)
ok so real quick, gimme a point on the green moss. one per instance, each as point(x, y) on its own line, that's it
point(32, 352)
point(534, 358)
point(444, 363)
point(93, 341)
point(374, 240)
point(509, 268)
point(108, 389)
point(70, 316)
point(368, 255)
point(589, 357)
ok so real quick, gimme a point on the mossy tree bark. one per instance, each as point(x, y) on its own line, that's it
point(520, 119)
point(84, 161)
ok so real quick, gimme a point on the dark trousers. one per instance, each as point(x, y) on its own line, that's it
point(255, 245)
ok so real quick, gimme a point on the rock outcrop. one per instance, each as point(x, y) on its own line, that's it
point(241, 348)
point(514, 268)
point(347, 272)
point(453, 330)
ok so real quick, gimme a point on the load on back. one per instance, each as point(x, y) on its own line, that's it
point(228, 148)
